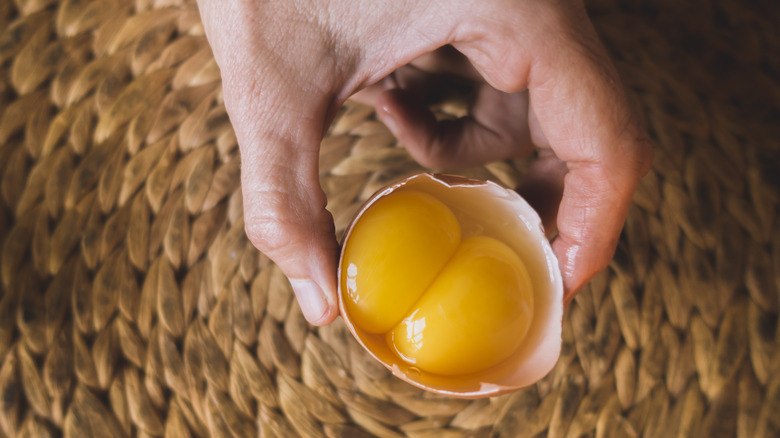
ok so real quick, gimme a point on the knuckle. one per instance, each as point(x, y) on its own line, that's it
point(266, 234)
point(268, 222)
point(282, 226)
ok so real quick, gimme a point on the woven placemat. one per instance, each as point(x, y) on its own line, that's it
point(132, 304)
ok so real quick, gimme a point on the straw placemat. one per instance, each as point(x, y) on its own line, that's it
point(132, 304)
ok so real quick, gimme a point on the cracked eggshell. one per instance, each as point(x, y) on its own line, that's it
point(484, 207)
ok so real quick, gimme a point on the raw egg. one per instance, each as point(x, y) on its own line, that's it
point(451, 284)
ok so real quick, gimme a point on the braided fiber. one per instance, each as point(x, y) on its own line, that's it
point(132, 304)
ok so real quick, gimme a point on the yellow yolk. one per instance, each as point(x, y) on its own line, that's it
point(447, 307)
point(474, 315)
point(396, 250)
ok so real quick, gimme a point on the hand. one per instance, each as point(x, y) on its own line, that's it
point(288, 66)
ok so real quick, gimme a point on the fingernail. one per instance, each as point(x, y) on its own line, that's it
point(311, 299)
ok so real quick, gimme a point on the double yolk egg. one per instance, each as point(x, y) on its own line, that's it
point(446, 304)
point(452, 285)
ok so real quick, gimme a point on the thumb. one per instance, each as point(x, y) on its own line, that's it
point(282, 84)
point(286, 219)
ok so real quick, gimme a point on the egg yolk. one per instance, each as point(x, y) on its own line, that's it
point(396, 250)
point(444, 305)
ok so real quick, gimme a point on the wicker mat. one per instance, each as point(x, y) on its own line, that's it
point(132, 304)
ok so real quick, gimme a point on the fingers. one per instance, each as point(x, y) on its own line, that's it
point(579, 112)
point(279, 133)
point(278, 94)
point(489, 133)
point(284, 205)
point(285, 217)
point(589, 124)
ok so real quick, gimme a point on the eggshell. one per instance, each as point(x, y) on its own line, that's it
point(489, 209)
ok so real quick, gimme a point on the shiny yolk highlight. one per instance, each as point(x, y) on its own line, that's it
point(444, 305)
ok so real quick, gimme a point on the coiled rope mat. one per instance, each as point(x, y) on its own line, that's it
point(132, 304)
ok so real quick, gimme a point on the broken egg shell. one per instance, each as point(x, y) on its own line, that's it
point(492, 210)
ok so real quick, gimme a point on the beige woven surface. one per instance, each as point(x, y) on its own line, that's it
point(132, 304)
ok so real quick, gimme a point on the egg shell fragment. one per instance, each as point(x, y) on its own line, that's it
point(483, 208)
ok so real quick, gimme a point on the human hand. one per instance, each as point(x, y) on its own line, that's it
point(288, 66)
point(498, 126)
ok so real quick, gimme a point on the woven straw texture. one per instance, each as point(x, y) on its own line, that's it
point(132, 304)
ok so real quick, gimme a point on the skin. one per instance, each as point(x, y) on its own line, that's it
point(544, 84)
